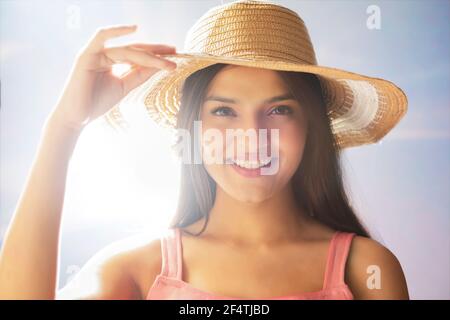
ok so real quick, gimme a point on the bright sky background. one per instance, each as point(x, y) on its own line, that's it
point(120, 185)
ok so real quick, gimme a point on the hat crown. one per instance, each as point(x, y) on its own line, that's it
point(253, 29)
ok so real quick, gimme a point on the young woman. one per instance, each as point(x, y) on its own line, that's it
point(237, 234)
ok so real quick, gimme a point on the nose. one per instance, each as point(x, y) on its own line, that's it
point(254, 138)
point(252, 121)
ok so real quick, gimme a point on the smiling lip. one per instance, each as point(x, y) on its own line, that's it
point(249, 173)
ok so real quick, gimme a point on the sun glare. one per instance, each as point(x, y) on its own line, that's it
point(118, 70)
point(128, 180)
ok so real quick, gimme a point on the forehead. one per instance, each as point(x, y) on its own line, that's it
point(241, 79)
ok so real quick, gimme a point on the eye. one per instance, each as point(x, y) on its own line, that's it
point(282, 110)
point(223, 111)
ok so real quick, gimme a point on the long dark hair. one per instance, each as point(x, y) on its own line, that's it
point(317, 183)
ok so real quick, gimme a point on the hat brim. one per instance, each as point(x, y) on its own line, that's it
point(362, 109)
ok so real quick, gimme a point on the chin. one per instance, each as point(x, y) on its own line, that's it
point(252, 195)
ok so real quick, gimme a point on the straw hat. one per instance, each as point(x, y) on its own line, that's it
point(263, 34)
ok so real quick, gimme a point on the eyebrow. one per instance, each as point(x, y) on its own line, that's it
point(285, 96)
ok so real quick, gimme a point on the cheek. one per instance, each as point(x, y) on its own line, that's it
point(292, 143)
point(211, 147)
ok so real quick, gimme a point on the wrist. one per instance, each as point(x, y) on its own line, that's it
point(55, 122)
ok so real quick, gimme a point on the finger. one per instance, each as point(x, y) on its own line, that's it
point(121, 54)
point(155, 48)
point(135, 77)
point(97, 42)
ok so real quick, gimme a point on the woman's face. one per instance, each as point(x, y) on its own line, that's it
point(238, 98)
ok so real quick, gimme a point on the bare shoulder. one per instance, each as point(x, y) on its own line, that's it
point(374, 272)
point(125, 269)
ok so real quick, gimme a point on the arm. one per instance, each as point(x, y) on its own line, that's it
point(368, 260)
point(29, 254)
point(29, 257)
point(28, 260)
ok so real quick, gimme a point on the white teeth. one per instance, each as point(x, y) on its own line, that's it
point(251, 164)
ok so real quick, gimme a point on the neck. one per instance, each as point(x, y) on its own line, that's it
point(272, 220)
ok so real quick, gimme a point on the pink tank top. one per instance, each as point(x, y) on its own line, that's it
point(168, 285)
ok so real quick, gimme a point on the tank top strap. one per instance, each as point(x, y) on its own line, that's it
point(171, 253)
point(337, 258)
